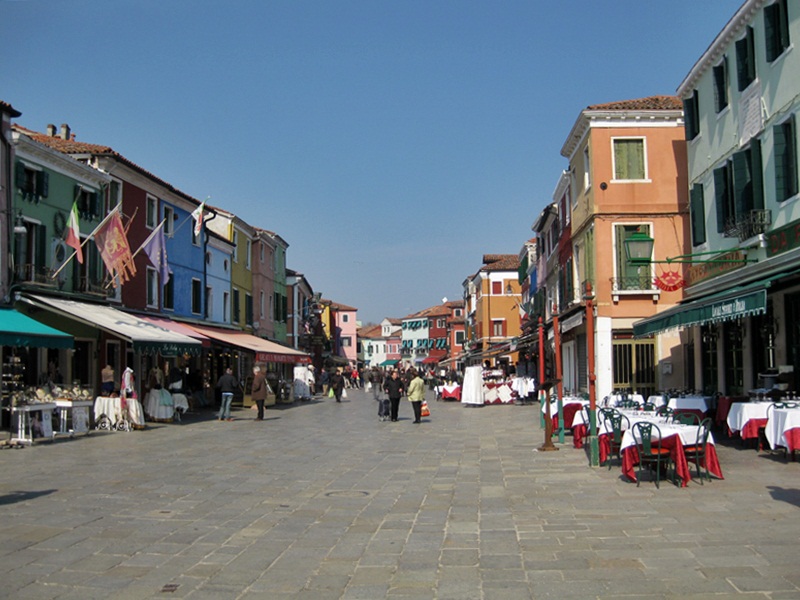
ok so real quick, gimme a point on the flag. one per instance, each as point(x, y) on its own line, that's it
point(197, 215)
point(74, 232)
point(156, 249)
point(114, 249)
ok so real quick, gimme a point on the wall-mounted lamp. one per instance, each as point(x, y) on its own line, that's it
point(639, 251)
point(19, 225)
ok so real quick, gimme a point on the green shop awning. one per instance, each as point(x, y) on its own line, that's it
point(699, 312)
point(17, 329)
point(390, 363)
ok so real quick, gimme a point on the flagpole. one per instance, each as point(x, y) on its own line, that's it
point(149, 237)
point(86, 241)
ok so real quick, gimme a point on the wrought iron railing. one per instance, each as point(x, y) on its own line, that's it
point(635, 283)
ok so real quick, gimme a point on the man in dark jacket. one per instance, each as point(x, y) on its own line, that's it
point(227, 385)
point(337, 383)
point(393, 386)
point(259, 391)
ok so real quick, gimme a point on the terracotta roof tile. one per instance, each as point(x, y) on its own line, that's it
point(649, 103)
point(500, 262)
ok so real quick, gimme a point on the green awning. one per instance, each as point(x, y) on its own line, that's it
point(390, 363)
point(17, 329)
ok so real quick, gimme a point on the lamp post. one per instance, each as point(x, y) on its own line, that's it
point(548, 418)
point(594, 449)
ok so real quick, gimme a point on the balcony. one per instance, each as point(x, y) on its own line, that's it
point(638, 285)
point(749, 224)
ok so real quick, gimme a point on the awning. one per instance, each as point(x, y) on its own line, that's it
point(390, 363)
point(708, 310)
point(17, 329)
point(265, 350)
point(430, 360)
point(178, 327)
point(145, 337)
point(734, 303)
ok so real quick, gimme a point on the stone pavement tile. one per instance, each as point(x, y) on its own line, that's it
point(464, 557)
point(508, 590)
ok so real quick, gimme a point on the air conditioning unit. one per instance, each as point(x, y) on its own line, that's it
point(59, 252)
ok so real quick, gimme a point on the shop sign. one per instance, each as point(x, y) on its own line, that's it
point(783, 239)
point(706, 270)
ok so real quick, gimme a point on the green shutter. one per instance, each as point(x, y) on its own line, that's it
point(757, 195)
point(720, 196)
point(771, 42)
point(697, 215)
point(689, 119)
point(42, 184)
point(20, 176)
point(742, 183)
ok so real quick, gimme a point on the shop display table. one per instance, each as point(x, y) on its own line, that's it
point(448, 391)
point(783, 428)
point(117, 414)
point(28, 423)
point(159, 405)
point(75, 412)
point(498, 393)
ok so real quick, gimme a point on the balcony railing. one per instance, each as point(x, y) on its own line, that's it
point(642, 283)
point(749, 224)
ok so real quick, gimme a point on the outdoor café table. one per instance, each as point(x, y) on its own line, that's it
point(697, 405)
point(783, 428)
point(449, 391)
point(747, 418)
point(570, 405)
point(580, 429)
point(724, 404)
point(674, 437)
point(615, 399)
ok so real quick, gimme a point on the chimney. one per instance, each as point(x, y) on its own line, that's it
point(51, 130)
point(64, 131)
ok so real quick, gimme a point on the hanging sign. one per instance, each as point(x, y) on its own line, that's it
point(669, 281)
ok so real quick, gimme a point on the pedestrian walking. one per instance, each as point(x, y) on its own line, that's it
point(258, 391)
point(376, 381)
point(337, 383)
point(324, 380)
point(394, 388)
point(416, 394)
point(227, 385)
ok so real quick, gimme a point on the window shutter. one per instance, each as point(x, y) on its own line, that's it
point(689, 119)
point(94, 205)
point(742, 183)
point(756, 175)
point(40, 258)
point(771, 16)
point(43, 184)
point(697, 215)
point(720, 194)
point(20, 177)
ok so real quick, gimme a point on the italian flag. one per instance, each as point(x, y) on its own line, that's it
point(74, 232)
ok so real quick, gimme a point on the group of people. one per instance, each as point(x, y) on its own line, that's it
point(410, 383)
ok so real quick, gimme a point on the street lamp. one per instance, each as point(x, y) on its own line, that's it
point(639, 251)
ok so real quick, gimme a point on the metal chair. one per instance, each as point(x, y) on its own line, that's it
point(651, 454)
point(696, 453)
point(685, 418)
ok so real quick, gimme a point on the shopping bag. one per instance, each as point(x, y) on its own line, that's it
point(425, 412)
point(330, 393)
point(344, 393)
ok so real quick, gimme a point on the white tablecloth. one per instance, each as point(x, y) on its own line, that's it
point(699, 403)
point(687, 433)
point(780, 421)
point(472, 390)
point(615, 399)
point(112, 408)
point(742, 412)
point(158, 404)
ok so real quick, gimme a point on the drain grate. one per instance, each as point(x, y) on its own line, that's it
point(169, 588)
point(347, 494)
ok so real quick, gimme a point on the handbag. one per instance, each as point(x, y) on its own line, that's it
point(344, 392)
point(425, 411)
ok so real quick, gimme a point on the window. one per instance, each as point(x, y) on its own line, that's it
point(497, 288)
point(691, 116)
point(32, 183)
point(261, 304)
point(248, 309)
point(261, 251)
point(723, 195)
point(151, 216)
point(197, 299)
point(209, 302)
point(88, 203)
point(236, 246)
point(169, 218)
point(629, 162)
point(498, 328)
point(738, 188)
point(459, 338)
point(776, 29)
point(152, 287)
point(248, 250)
point(168, 299)
point(630, 276)
point(458, 312)
point(440, 323)
point(346, 341)
point(720, 73)
point(587, 171)
point(345, 318)
point(226, 302)
point(785, 142)
point(746, 60)
point(236, 308)
point(697, 215)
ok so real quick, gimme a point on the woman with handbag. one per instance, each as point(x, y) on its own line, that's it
point(416, 394)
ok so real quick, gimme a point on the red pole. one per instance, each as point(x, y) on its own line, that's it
point(548, 418)
point(594, 449)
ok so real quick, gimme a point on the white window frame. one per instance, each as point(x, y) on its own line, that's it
point(151, 212)
point(152, 287)
point(614, 140)
point(249, 250)
point(587, 170)
point(235, 246)
point(169, 219)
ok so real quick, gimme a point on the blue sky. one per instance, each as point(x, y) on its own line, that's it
point(391, 143)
